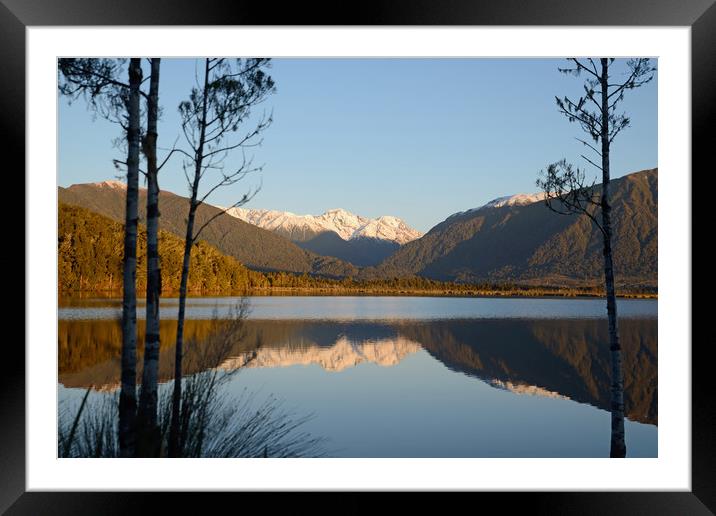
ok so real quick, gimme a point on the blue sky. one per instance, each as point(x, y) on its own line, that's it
point(416, 138)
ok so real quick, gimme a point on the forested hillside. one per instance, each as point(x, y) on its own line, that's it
point(531, 244)
point(257, 248)
point(91, 247)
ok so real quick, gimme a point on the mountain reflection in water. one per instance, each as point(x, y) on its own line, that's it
point(543, 357)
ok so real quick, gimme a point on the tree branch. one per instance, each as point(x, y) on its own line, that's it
point(590, 161)
point(589, 145)
point(583, 67)
point(246, 198)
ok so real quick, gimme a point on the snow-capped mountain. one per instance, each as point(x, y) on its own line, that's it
point(114, 185)
point(343, 354)
point(345, 224)
point(515, 200)
point(525, 389)
point(517, 238)
point(520, 199)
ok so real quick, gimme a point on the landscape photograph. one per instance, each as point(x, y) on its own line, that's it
point(357, 257)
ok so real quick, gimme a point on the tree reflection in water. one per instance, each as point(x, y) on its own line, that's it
point(546, 357)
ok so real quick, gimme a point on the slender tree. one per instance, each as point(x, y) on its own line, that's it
point(97, 80)
point(148, 430)
point(567, 191)
point(220, 103)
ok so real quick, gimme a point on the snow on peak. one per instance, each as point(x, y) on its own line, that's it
point(515, 200)
point(339, 212)
point(111, 184)
point(520, 199)
point(525, 389)
point(342, 222)
point(388, 228)
point(343, 354)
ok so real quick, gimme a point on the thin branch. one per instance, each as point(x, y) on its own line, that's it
point(118, 162)
point(240, 143)
point(180, 151)
point(635, 70)
point(594, 67)
point(590, 161)
point(576, 115)
point(583, 67)
point(589, 145)
point(596, 222)
point(105, 78)
point(229, 180)
point(246, 198)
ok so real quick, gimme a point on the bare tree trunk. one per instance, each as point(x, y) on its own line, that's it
point(618, 445)
point(128, 394)
point(147, 417)
point(174, 430)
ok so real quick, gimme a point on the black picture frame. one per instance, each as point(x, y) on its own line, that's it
point(700, 15)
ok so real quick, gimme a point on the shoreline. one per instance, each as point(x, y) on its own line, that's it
point(375, 292)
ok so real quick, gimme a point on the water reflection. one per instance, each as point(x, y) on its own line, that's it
point(557, 358)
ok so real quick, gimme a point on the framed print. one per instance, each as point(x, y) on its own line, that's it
point(362, 315)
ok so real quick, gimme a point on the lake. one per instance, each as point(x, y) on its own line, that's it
point(404, 376)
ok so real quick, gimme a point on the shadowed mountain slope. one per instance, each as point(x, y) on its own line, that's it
point(255, 247)
point(528, 243)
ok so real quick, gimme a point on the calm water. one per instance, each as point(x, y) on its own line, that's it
point(377, 308)
point(410, 377)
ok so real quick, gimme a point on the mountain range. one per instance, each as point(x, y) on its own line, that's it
point(513, 239)
point(359, 240)
point(256, 248)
